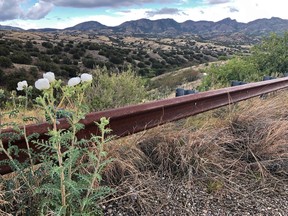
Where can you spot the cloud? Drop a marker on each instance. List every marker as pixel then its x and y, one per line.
pixel 170 11
pixel 10 9
pixel 233 9
pixel 125 11
pixel 213 2
pixel 39 10
pixel 103 3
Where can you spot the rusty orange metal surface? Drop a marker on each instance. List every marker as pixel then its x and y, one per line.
pixel 132 119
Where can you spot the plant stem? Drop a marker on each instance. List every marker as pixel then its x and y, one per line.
pixel 25 134
pixel 97 166
pixel 60 163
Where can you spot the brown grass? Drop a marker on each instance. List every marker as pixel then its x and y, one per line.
pixel 239 148
pixel 37 113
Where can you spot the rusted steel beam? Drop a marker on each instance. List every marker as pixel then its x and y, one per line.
pixel 132 119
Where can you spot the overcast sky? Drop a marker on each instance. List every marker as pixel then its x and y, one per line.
pixel 65 13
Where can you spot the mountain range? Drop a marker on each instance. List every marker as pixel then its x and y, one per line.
pixel 205 29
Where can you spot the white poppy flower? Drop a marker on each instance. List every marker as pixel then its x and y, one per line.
pixel 85 77
pixel 42 84
pixel 74 81
pixel 21 85
pixel 50 76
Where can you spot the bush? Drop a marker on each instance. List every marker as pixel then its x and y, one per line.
pixel 271 54
pixel 5 62
pixel 115 90
pixel 89 63
pixel 66 61
pixel 116 59
pixel 21 58
pixel 46 66
pixel 234 69
pixel 4 51
pixel 47 45
pixel 14 77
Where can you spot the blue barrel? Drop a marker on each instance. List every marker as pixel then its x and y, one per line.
pixel 187 92
pixel 243 83
pixel 235 83
pixel 268 78
pixel 180 92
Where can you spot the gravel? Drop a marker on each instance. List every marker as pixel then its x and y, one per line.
pixel 161 196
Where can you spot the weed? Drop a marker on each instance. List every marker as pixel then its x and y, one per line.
pixel 67 180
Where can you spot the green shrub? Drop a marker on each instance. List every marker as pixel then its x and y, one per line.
pixel 89 63
pixel 271 54
pixel 14 77
pixel 4 51
pixel 115 90
pixel 21 58
pixel 47 45
pixel 5 62
pixel 221 75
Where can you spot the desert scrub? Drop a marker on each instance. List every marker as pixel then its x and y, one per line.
pixel 115 90
pixel 67 180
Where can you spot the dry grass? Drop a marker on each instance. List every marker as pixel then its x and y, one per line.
pixel 2 201
pixel 36 113
pixel 241 148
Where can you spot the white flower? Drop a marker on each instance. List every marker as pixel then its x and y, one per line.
pixel 85 77
pixel 42 84
pixel 74 81
pixel 21 85
pixel 50 76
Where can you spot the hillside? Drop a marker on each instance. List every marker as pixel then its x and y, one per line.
pixel 25 55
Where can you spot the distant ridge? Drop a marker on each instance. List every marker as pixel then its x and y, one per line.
pixel 87 26
pixel 4 27
pixel 205 29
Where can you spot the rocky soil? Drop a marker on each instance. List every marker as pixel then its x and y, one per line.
pixel 163 196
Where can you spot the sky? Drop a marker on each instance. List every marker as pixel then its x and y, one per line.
pixel 61 14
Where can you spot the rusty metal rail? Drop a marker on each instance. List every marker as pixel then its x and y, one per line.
pixel 132 119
